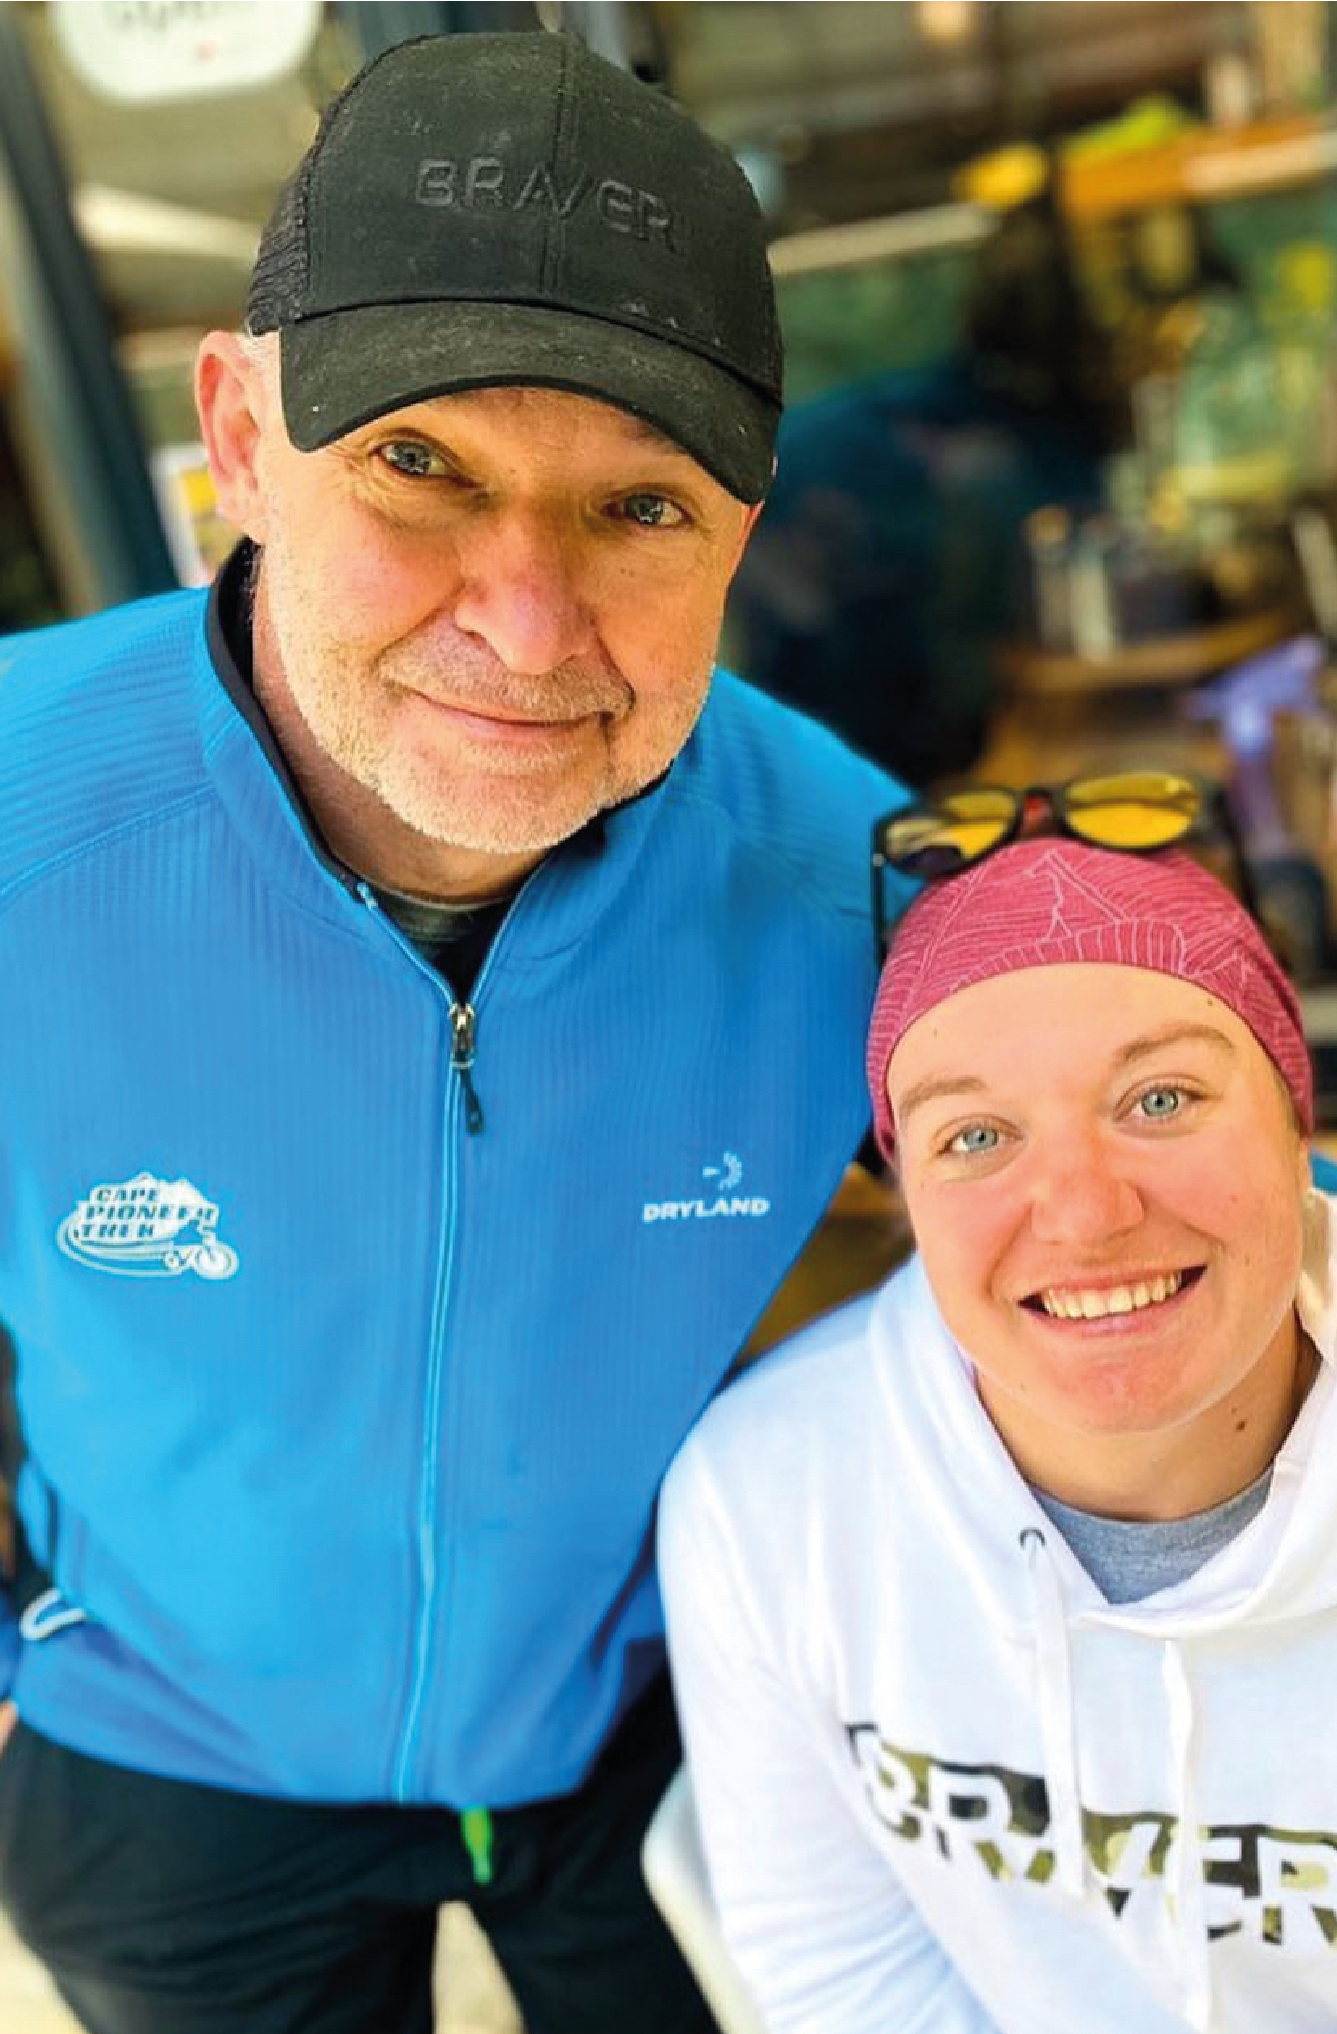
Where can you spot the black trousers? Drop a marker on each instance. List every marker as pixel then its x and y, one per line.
pixel 161 1907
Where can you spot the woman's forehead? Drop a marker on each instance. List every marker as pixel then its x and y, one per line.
pixel 1093 1014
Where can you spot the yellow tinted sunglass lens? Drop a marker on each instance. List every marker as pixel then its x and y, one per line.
pixel 958 828
pixel 977 817
pixel 1146 809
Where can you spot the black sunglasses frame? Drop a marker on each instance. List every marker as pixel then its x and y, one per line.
pixel 1049 803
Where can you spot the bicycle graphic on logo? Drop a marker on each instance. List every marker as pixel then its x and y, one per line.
pixel 148 1228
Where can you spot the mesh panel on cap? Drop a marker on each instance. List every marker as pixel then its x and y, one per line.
pixel 279 276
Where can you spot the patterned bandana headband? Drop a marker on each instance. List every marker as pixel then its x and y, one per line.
pixel 1049 902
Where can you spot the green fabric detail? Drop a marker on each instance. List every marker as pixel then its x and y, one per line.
pixel 476 1832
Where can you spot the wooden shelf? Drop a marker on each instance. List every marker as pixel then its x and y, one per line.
pixel 1162 661
pixel 1204 164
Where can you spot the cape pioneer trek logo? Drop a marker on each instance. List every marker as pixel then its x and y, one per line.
pixel 148 1228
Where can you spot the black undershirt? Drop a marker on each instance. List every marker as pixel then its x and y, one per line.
pixel 452 938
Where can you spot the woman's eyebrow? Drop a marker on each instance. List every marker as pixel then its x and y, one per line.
pixel 934 1088
pixel 1173 1034
pixel 938 1087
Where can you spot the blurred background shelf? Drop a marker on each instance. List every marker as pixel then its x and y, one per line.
pixel 1201 166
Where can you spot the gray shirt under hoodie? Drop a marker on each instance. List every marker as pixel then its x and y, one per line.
pixel 1128 1559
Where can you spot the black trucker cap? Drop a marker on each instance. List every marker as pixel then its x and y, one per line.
pixel 484 210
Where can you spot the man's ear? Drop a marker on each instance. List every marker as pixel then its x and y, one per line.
pixel 231 397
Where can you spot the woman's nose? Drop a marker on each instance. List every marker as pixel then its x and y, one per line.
pixel 1081 1193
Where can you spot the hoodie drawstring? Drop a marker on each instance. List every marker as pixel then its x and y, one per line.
pixel 1190 1890
pixel 1058 1733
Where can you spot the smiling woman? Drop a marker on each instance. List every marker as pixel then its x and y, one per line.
pixel 1069 1050
pixel 979 1590
pixel 1124 1291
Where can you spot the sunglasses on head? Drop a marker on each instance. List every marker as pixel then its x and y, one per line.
pixel 1133 811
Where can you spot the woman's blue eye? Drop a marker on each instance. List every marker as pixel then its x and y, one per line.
pixel 976 1137
pixel 1161 1102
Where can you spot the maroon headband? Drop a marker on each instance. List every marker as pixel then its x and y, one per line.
pixel 1049 902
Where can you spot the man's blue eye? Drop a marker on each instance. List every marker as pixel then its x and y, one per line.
pixel 651 511
pixel 1162 1102
pixel 418 461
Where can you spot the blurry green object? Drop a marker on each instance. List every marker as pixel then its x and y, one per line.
pixel 844 325
pixel 1230 447
pixel 1148 123
pixel 1256 402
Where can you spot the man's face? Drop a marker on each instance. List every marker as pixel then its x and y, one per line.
pixel 1104 1177
pixel 482 620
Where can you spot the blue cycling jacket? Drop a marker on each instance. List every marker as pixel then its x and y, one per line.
pixel 345 1415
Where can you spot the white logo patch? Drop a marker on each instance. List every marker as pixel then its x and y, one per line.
pixel 148 1228
pixel 724 1178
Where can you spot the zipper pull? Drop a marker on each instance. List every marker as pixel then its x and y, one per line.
pixel 476 1835
pixel 462 1022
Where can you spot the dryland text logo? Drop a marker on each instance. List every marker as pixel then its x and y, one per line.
pixel 720 1197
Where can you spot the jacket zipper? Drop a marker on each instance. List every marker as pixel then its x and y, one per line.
pixel 463 1026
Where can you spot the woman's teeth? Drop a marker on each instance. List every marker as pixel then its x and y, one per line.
pixel 1081 1305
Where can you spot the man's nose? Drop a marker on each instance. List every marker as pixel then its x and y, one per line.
pixel 525 594
pixel 1082 1191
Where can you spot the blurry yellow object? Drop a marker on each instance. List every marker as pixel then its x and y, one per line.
pixel 1006 177
pixel 1013 175
pixel 1148 123
pixel 1248 479
pixel 946 21
pixel 1305 273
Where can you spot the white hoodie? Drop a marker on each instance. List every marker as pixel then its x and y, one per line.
pixel 944 1786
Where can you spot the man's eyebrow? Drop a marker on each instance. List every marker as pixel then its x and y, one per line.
pixel 650 434
pixel 641 429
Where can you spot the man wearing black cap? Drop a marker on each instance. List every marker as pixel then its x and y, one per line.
pixel 441 1028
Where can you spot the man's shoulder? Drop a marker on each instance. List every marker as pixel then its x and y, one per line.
pixel 745 733
pixel 788 788
pixel 93 726
pixel 67 649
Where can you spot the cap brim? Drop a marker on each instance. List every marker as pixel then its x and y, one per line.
pixel 345 368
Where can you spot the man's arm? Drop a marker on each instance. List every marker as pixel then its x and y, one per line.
pixel 9 1631
pixel 825 1938
pixel 859 1241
